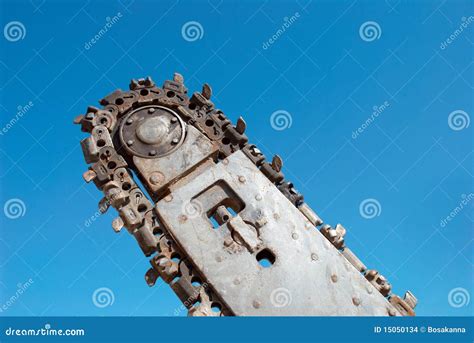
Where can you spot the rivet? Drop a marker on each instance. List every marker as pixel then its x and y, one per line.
pixel 334 278
pixel 151 110
pixel 258 197
pixel 391 312
pixel 314 257
pixel 168 198
pixel 152 153
pixel 256 304
pixel 225 161
pixel 294 235
pixel 174 120
pixel 156 178
pixel 129 121
pixel 356 301
pixel 175 141
pixel 242 179
pixel 129 142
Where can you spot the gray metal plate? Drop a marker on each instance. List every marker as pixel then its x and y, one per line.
pixel 309 276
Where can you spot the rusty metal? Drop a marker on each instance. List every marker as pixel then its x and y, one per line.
pixel 223 227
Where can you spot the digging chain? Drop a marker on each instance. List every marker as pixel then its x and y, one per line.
pixel 111 169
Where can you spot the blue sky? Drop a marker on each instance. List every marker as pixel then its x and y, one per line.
pixel 412 157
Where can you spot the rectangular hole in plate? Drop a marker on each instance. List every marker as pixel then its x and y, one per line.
pixel 221 215
pixel 221 203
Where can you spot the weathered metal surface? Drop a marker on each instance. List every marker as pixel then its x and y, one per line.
pixel 312 275
pixel 159 172
pixel 220 211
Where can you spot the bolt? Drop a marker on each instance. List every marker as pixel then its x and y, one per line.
pixel 129 121
pixel 242 179
pixel 152 153
pixel 151 110
pixel 129 142
pixel 175 141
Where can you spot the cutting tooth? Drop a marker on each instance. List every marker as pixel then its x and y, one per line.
pixel 277 163
pixel 177 77
pixel 92 109
pixel 341 230
pixel 133 84
pixel 151 276
pixel 117 224
pixel 241 125
pixel 206 91
pixel 148 82
pixel 410 299
pixel 89 175
pixel 78 119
